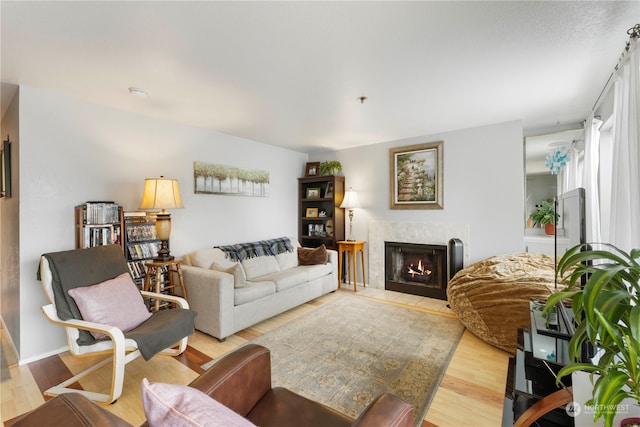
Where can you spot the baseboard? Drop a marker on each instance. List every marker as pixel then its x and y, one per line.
pixel 43 355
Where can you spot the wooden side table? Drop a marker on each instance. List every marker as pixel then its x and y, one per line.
pixel 154 277
pixel 351 247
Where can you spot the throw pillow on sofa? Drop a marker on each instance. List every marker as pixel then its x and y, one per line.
pixel 260 266
pixel 287 260
pixel 313 256
pixel 181 405
pixel 236 270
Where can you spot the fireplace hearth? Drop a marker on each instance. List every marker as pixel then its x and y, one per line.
pixel 421 269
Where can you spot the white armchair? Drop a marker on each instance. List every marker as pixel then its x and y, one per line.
pixel 120 346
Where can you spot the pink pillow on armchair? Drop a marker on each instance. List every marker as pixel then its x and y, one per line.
pixel 115 302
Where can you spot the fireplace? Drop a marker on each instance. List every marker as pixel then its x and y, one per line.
pixel 421 269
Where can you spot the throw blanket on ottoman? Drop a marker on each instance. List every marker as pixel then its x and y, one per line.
pixel 491 297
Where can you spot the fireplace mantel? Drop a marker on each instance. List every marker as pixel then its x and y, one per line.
pixel 409 232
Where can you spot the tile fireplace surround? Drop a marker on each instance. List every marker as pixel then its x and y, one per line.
pixel 409 232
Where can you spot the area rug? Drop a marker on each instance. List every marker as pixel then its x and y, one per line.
pixel 348 351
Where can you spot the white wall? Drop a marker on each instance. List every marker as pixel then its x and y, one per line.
pixel 73 151
pixel 483 186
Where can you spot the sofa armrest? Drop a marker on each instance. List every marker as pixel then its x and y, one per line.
pixel 211 294
pixel 386 410
pixel 333 256
pixel 333 260
pixel 239 379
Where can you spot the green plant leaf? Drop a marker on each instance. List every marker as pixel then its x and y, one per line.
pixel 611 334
pixel 607 312
pixel 607 389
pixel 634 322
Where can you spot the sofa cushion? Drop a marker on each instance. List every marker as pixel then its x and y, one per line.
pixel 204 258
pixel 313 256
pixel 116 302
pixel 239 278
pixel 259 266
pixel 287 279
pixel 252 291
pixel 316 271
pixel 287 260
pixel 180 405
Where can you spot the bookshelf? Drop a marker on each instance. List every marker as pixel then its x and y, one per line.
pixel 141 243
pixel 321 220
pixel 98 223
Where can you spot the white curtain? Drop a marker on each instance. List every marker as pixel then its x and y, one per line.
pixel 571 175
pixel 590 173
pixel 625 191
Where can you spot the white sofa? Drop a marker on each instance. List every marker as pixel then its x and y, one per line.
pixel 230 294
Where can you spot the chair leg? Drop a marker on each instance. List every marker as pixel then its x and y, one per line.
pixel 176 351
pixel 117 379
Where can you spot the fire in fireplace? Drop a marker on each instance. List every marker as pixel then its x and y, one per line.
pixel 419 273
pixel 421 269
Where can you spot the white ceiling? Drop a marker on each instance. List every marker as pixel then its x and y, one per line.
pixel 289 73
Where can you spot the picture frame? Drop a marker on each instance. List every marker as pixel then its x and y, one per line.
pixel 220 179
pixel 416 176
pixel 311 213
pixel 5 173
pixel 328 192
pixel 313 193
pixel 312 169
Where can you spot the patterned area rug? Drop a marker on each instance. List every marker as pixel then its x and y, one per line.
pixel 346 352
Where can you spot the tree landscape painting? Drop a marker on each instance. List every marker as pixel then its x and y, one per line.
pixel 416 176
pixel 210 178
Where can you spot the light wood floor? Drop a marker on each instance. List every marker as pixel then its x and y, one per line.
pixel 471 391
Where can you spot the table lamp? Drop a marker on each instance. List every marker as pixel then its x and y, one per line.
pixel 161 193
pixel 350 202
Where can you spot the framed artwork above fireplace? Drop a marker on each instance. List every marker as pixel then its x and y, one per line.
pixel 416 176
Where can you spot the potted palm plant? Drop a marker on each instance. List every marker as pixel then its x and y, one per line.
pixel 546 216
pixel 607 313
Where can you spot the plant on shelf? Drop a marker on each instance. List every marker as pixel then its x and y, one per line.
pixel 546 216
pixel 330 167
pixel 607 313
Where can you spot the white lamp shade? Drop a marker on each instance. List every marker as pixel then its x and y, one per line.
pixel 161 193
pixel 350 200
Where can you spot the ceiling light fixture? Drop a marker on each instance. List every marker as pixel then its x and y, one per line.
pixel 141 93
pixel 362 99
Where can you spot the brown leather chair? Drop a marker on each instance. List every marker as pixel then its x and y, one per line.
pixel 241 381
pixel 69 410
